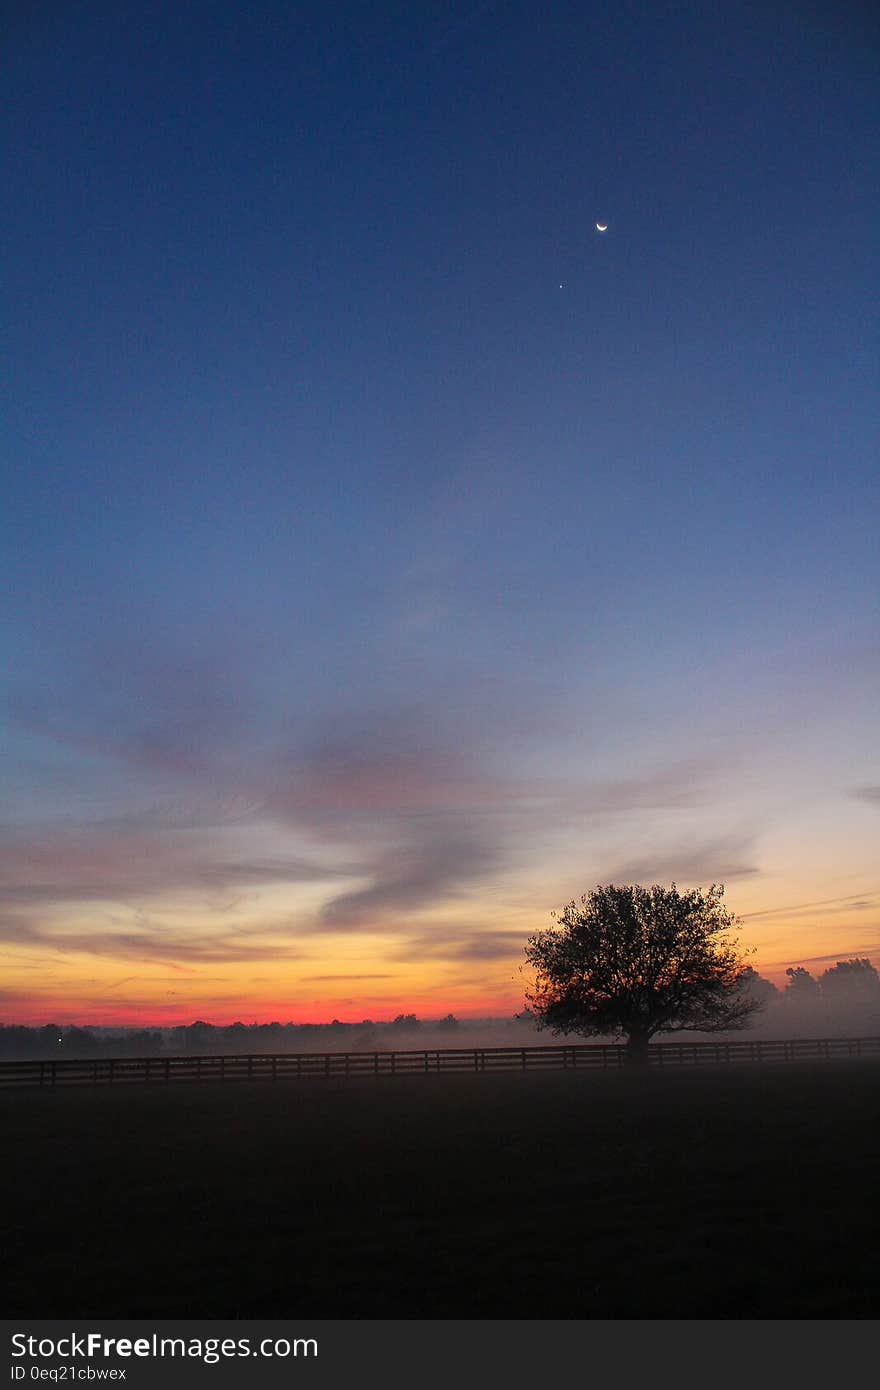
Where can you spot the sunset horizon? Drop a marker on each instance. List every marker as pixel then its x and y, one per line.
pixel 406 533
pixel 439 655
pixel 383 1002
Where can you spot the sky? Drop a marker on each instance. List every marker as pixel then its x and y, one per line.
pixel 389 556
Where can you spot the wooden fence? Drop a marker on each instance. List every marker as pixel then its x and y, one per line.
pixel 290 1065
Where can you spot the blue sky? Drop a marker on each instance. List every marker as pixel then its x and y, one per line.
pixel 388 553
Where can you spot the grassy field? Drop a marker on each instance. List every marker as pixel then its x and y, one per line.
pixel 741 1193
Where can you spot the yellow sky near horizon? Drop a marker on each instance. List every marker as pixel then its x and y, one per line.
pixel 447 962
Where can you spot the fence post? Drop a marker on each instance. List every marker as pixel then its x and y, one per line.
pixel 112 1066
pixel 274 1067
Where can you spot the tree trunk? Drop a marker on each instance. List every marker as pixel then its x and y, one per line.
pixel 637 1049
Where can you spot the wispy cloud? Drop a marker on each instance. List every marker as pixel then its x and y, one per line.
pixel 163 945
pixel 713 861
pixel 866 951
pixel 326 979
pixel 380 800
pixel 870 794
pixel 684 784
pixel 390 763
pixel 439 862
pixel 102 862
pixel 143 702
pixel 454 945
pixel 858 902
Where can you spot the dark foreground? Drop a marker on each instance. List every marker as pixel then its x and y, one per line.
pixel 725 1194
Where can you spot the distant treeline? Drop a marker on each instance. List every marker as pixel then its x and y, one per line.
pixel 849 982
pixel 57 1040
pixel 843 1000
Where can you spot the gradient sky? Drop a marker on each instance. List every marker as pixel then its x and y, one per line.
pixel 389 556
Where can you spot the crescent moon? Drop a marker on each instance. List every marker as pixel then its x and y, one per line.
pixel 601 226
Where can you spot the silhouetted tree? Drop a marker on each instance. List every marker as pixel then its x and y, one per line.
pixel 235 1037
pixel 633 962
pixel 525 1018
pixel 856 978
pixel 754 985
pixel 198 1036
pixel 145 1042
pixel 801 987
pixel 78 1042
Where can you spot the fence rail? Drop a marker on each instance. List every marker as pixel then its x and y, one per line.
pixel 115 1071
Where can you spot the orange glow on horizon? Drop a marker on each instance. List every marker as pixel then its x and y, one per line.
pixel 56 1010
pixel 74 975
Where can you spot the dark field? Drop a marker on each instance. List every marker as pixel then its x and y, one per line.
pixel 741 1193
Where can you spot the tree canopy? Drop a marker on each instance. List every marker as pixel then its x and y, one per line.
pixel 851 977
pixel 630 961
